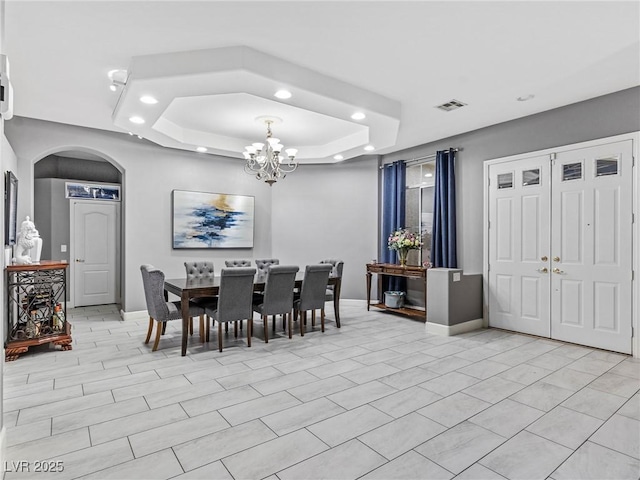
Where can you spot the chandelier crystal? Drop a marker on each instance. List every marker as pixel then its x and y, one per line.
pixel 264 160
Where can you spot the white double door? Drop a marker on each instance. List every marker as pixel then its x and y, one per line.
pixel 560 246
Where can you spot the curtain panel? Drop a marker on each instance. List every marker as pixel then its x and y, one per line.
pixel 393 214
pixel 444 240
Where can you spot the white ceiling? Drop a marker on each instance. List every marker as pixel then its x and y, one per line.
pixel 413 55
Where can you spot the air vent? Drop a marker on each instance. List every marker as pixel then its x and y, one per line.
pixel 451 105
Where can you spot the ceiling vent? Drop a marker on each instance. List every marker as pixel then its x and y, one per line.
pixel 451 105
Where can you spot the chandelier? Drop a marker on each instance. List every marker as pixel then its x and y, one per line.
pixel 264 159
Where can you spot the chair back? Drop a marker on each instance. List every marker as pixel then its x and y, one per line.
pixel 237 263
pixel 153 284
pixel 278 290
pixel 197 270
pixel 314 286
pixel 235 298
pixel 263 264
pixel 336 266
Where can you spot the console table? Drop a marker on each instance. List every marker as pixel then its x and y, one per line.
pixel 36 298
pixel 390 269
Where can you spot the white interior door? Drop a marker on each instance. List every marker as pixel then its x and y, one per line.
pixel 519 222
pixel 592 235
pixel 561 243
pixel 95 252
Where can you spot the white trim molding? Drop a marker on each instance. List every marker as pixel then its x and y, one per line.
pixel 450 330
pixel 136 315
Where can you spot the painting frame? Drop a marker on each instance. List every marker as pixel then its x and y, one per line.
pixel 10 208
pixel 208 220
pixel 109 192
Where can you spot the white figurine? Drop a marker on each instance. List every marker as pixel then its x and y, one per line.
pixel 28 240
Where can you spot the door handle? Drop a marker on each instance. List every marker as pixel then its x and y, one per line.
pixel 557 270
pixel 556 259
pixel 79 260
pixel 543 270
pixel 544 258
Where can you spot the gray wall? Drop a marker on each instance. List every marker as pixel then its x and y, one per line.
pixel 150 173
pixel 51 216
pixel 55 166
pixel 599 117
pixel 329 211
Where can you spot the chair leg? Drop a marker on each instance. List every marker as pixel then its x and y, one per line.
pixel 190 326
pixel 158 333
pixel 149 330
pixel 313 318
pixel 322 318
pixel 249 328
pixel 290 325
pixel 235 329
pixel 273 323
pixel 220 335
pixel 302 317
pixel 266 328
pixel 201 329
pixel 164 327
pixel 208 328
pixel 226 327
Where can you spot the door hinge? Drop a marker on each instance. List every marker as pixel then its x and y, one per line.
pixel 489 224
pixel 552 157
pixel 488 182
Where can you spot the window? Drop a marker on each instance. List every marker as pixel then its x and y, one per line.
pixel 505 180
pixel 531 177
pixel 606 166
pixel 571 171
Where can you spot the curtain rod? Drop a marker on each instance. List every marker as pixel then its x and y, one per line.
pixel 418 159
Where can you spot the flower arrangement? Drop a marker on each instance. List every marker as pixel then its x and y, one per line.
pixel 402 240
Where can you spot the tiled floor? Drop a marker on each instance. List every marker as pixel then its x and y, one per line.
pixel 378 398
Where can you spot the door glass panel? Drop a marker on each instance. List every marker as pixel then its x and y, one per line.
pixel 505 180
pixel 571 171
pixel 531 177
pixel 606 166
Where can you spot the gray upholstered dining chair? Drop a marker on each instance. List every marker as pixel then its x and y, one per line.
pixel 159 309
pixel 278 296
pixel 336 271
pixel 197 270
pixel 235 301
pixel 263 264
pixel 237 263
pixel 312 294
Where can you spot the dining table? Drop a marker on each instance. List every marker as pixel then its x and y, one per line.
pixel 187 289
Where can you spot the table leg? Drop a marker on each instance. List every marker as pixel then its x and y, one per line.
pixel 336 301
pixel 368 289
pixel 184 299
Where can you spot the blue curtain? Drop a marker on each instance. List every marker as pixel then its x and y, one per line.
pixel 443 240
pixel 393 215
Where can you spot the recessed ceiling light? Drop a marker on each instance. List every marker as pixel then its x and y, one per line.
pixel 369 148
pixel 282 94
pixel 201 149
pixel 338 157
pixel 113 87
pixel 136 120
pixel 358 116
pixel 148 99
pixel 524 98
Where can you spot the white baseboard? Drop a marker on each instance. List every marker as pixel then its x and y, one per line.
pixel 449 330
pixel 137 315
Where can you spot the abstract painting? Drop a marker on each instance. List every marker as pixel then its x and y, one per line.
pixel 212 220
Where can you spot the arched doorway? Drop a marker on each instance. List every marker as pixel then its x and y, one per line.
pixel 86 232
